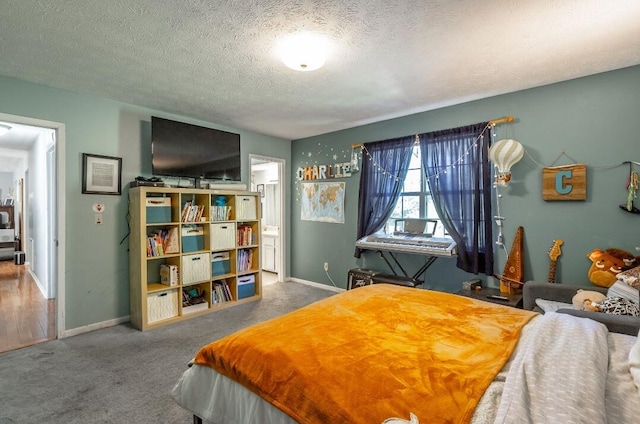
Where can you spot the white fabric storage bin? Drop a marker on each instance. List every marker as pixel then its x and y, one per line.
pixel 220 263
pixel 196 268
pixel 223 236
pixel 192 238
pixel 246 208
pixel 246 286
pixel 162 305
pixel 158 209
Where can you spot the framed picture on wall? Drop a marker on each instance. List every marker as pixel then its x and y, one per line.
pixel 260 188
pixel 101 174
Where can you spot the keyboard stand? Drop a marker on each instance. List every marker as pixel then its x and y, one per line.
pixel 405 279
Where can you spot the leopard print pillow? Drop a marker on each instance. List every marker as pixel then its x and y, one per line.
pixel 619 306
pixel 631 277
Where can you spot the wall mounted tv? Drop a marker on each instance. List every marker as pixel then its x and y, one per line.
pixel 184 150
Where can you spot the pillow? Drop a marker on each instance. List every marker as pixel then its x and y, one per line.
pixel 630 277
pixel 552 305
pixel 634 363
pixel 620 289
pixel 619 306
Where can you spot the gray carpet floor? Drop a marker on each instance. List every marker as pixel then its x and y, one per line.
pixel 122 375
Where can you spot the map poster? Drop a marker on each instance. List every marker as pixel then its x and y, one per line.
pixel 322 201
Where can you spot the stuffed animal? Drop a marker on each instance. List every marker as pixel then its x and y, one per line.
pixel 607 264
pixel 586 300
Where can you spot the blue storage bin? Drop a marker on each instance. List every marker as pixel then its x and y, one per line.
pixel 192 239
pixel 220 263
pixel 158 209
pixel 246 286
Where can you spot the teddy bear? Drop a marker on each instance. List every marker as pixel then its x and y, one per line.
pixel 607 264
pixel 587 300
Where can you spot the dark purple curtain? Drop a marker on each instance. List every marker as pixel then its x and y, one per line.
pixel 384 168
pixel 459 176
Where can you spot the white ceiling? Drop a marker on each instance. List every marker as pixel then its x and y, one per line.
pixel 216 60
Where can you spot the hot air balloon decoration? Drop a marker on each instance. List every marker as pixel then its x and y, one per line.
pixel 504 154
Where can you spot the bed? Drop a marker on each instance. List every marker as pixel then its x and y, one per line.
pixel 391 354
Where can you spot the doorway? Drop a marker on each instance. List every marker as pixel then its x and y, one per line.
pixel 267 177
pixel 35 275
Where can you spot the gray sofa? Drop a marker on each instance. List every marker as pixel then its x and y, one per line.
pixel 533 290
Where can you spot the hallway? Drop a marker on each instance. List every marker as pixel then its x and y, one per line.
pixel 26 317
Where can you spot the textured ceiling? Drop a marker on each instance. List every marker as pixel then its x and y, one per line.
pixel 216 60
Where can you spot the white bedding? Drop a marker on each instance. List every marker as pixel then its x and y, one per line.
pixel 562 349
pixel 219 400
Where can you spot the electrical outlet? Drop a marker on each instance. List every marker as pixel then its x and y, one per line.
pixel 326 266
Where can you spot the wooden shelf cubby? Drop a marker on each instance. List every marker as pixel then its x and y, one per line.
pixel 192 243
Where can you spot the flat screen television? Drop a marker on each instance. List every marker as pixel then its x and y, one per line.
pixel 179 149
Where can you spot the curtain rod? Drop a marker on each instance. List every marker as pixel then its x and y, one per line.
pixel 504 120
pixel 491 123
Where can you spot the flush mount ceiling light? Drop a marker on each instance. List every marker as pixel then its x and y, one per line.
pixel 4 129
pixel 303 51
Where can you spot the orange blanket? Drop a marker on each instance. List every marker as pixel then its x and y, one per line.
pixel 372 353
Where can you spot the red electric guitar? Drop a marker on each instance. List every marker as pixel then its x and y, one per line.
pixel 554 254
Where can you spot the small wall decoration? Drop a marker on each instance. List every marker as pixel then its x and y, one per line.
pixel 504 154
pixel 632 192
pixel 567 182
pixel 101 174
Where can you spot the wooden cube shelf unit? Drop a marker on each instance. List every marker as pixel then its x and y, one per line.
pixel 212 239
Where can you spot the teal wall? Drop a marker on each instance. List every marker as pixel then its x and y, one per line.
pixel 97 268
pixel 595 120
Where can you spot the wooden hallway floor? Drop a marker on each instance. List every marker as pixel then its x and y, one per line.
pixel 26 317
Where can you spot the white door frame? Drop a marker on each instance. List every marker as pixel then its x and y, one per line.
pixel 52 238
pixel 281 222
pixel 59 128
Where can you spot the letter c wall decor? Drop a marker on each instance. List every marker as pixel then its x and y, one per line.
pixel 567 182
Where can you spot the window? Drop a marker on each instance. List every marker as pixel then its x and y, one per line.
pixel 467 217
pixel 415 200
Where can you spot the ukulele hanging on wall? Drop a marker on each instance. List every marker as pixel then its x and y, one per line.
pixel 554 254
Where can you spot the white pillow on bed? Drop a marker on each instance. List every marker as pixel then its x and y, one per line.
pixel 552 305
pixel 634 363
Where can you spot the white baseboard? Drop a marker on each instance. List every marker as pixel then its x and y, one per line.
pixel 122 320
pixel 37 281
pixel 318 285
pixel 95 326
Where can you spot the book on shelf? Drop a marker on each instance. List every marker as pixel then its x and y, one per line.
pixel 221 292
pixel 162 242
pixel 154 245
pixel 199 213
pixel 169 275
pixel 191 212
pixel 245 235
pixel 245 259
pixel 185 211
pixel 171 242
pixel 220 213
